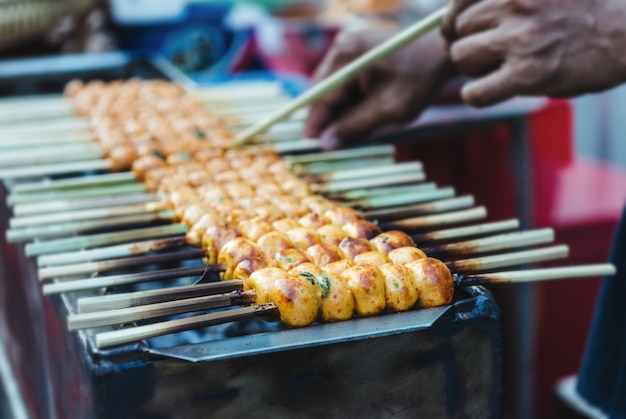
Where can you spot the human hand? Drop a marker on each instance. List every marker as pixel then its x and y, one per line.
pixel 392 91
pixel 558 48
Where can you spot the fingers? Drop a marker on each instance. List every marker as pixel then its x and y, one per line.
pixel 393 104
pixel 495 87
pixel 323 111
pixel 448 26
pixel 348 46
pixel 480 17
pixel 477 55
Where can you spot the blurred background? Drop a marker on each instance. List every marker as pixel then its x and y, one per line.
pixel 577 148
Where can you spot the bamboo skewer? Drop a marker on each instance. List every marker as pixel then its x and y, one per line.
pixel 64 195
pixel 357 195
pixel 138 333
pixel 349 184
pixel 104 239
pixel 119 337
pixel 487 263
pixel 131 314
pixel 453 217
pixel 59 153
pixel 112 252
pixel 123 263
pixel 137 278
pixel 85 203
pixel 492 243
pixel 89 214
pixel 106 179
pixel 339 77
pixel 55 169
pixel 159 295
pixel 64 229
pixel 473 230
pixel 535 275
pixel 416 196
pixel 432 207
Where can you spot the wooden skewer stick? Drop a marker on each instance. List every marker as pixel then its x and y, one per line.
pixel 473 230
pixel 366 172
pixel 339 77
pixel 44 141
pixel 453 217
pixel 132 314
pixel 324 167
pixel 432 207
pixel 65 229
pixel 492 243
pixel 349 184
pixel 534 275
pixel 159 295
pixel 141 277
pixel 104 239
pixel 84 203
pixel 89 214
pixel 64 195
pixel 350 154
pixel 359 194
pixel 415 196
pixel 111 264
pixel 57 154
pixel 55 169
pixel 112 252
pixel 106 179
pixel 487 263
pixel 134 334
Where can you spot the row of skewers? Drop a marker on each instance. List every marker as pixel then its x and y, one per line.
pixel 275 241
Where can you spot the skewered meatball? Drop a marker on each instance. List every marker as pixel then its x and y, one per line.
pixel 197 231
pixel 350 247
pixel 297 299
pixel 405 255
pixel 311 220
pixel 368 288
pixel 434 282
pixel 285 224
pixel 247 267
pixel 373 257
pixel 362 229
pixel 146 163
pixel 261 282
pixel 234 251
pixel 401 291
pixel 331 234
pixel 341 216
pixel 303 238
pixel 215 237
pixel 323 254
pixel 290 258
pixel 122 157
pixel 390 240
pixel 254 228
pixel 339 267
pixel 193 214
pixel 338 303
pixel 273 243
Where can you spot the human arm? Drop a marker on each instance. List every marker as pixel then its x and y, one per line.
pixel 558 48
pixel 394 90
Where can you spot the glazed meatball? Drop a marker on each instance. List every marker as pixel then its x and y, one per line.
pixel 401 291
pixel 390 240
pixel 368 288
pixel 434 282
